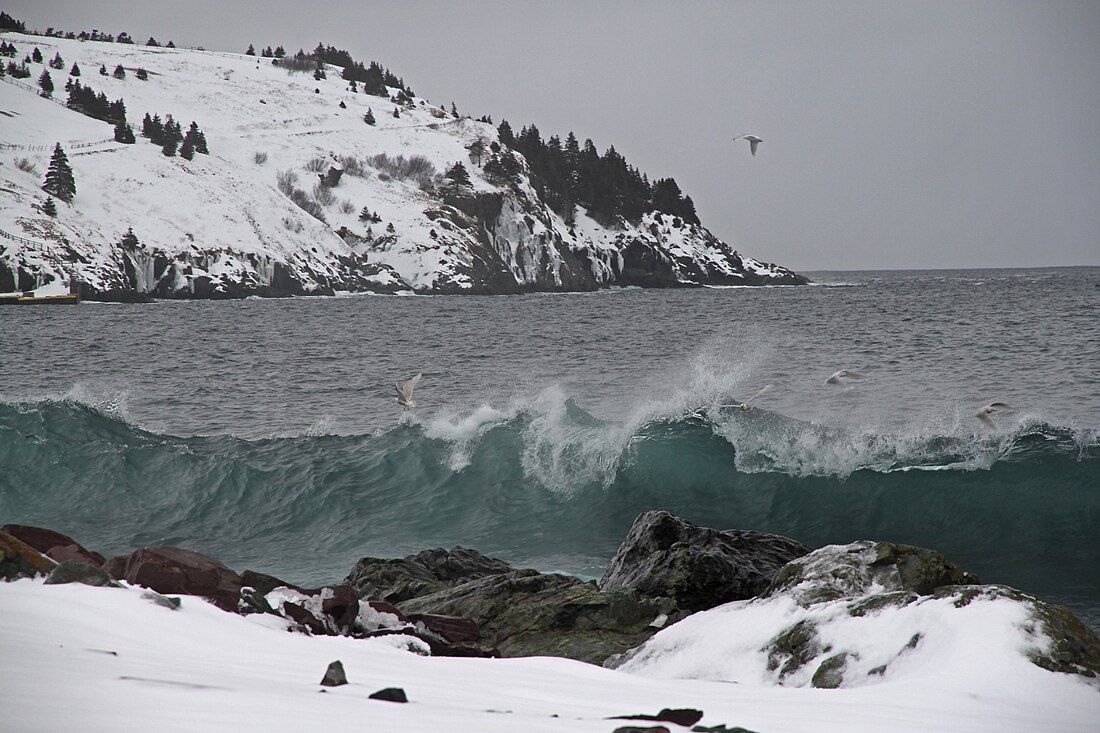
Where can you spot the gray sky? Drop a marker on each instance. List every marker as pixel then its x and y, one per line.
pixel 897 135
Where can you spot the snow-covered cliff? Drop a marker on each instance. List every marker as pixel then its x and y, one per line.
pixel 225 225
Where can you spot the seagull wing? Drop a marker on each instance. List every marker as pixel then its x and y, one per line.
pixel 763 391
pixel 407 390
pixel 753 144
pixel 984 417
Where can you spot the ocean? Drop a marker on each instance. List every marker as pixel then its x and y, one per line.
pixel 264 432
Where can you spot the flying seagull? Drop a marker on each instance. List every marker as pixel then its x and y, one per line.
pixel 984 413
pixel 405 393
pixel 754 141
pixel 745 406
pixel 842 377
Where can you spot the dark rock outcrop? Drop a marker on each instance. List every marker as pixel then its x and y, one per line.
pixel 426 572
pixel 75 571
pixel 53 544
pixel 526 613
pixel 845 571
pixel 176 570
pixel 20 560
pixel 697 567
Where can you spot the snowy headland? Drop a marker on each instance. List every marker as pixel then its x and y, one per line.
pixel 299 193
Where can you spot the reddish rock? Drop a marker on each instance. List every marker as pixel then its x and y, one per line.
pixel 302 615
pixel 175 570
pixel 46 541
pixel 342 607
pixel 61 553
pixel 451 629
pixel 264 583
pixel 386 607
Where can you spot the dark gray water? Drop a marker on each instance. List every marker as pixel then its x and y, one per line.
pixel 934 346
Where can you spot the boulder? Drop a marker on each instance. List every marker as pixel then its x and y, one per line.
pixel 525 613
pixel 176 570
pixel 427 572
pixel 859 568
pixel 20 560
pixel 390 694
pixel 53 544
pixel 76 571
pixel 697 567
pixel 334 675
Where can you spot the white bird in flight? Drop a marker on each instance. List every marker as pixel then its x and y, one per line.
pixel 405 392
pixel 984 413
pixel 745 406
pixel 842 377
pixel 754 141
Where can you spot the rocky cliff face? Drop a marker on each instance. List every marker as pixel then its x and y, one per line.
pixel 299 195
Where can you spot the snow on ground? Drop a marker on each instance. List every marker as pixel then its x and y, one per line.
pixel 105 659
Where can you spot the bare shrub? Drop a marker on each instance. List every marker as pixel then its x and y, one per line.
pixel 295 65
pixel 25 165
pixel 302 200
pixel 292 225
pixel 383 176
pixel 286 181
pixel 416 168
pixel 353 166
pixel 323 195
pixel 317 165
pixel 259 157
pixel 347 207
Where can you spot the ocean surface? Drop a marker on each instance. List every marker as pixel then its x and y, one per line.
pixel 264 432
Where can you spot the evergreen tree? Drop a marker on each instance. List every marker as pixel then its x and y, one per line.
pixel 266 53
pixel 477 149
pixel 120 73
pixel 458 176
pixel 124 37
pixel 57 62
pixel 251 51
pixel 197 138
pixel 319 72
pixel 504 131
pixel 279 52
pixel 124 133
pixel 49 208
pixel 59 176
pixel 170 146
pixel 396 113
pixel 142 74
pixel 103 70
pixel 187 149
pixel 170 44
pixel 369 117
pixel 129 240
pixel 152 42
pixel 454 111
pixel 75 71
pixel 45 83
pixel 36 55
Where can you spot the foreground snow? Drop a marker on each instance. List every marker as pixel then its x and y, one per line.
pixel 104 659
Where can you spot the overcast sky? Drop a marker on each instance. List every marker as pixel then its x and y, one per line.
pixel 896 134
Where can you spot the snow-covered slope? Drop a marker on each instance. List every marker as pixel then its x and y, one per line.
pixel 109 659
pixel 219 225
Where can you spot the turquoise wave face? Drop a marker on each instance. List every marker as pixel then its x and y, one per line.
pixel 551 487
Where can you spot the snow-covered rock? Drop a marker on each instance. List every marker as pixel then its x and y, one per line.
pixel 220 225
pixel 872 613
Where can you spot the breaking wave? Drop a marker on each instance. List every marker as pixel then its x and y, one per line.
pixel 544 483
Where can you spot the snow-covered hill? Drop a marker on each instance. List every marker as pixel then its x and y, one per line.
pixel 220 225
